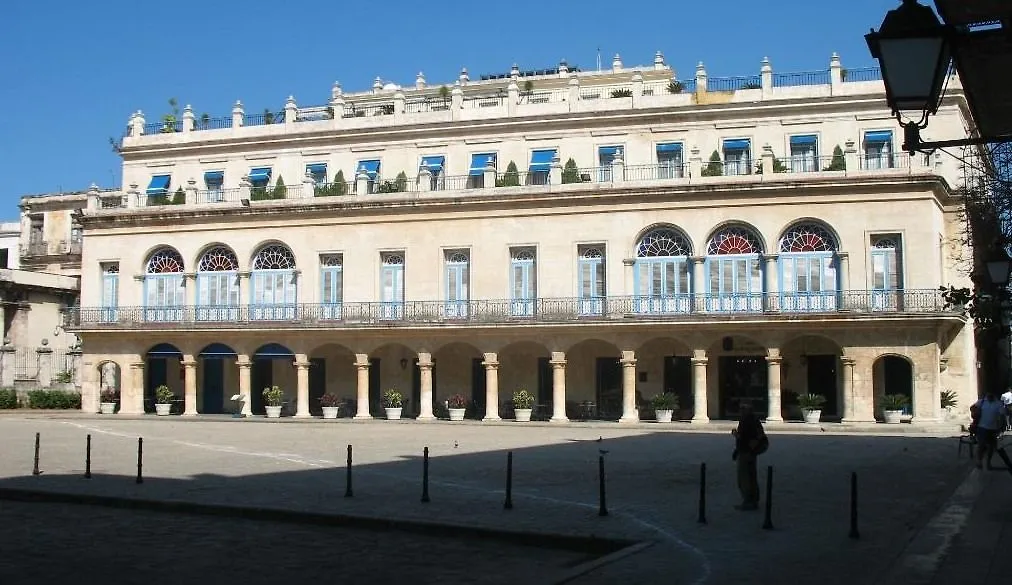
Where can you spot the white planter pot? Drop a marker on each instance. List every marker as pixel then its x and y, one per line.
pixel 393 413
pixel 107 408
pixel 163 409
pixel 892 417
pixel 457 413
pixel 949 413
pixel 663 416
pixel 522 414
pixel 273 411
pixel 812 415
pixel 330 412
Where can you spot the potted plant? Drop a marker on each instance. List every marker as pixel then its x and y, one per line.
pixel 392 401
pixel 664 406
pixel 522 403
pixel 457 405
pixel 811 407
pixel 331 404
pixel 274 397
pixel 892 407
pixel 949 402
pixel 107 401
pixel 163 400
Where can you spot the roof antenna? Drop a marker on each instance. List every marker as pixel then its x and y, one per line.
pixel 599 58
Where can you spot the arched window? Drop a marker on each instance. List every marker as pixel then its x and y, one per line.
pixel 331 285
pixel 110 291
pixel 458 280
pixel 591 280
pixel 164 289
pixel 734 270
pixel 662 272
pixel 218 285
pixel 807 267
pixel 886 272
pixel 523 281
pixel 273 285
pixel 392 285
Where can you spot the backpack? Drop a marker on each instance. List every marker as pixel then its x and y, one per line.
pixel 763 442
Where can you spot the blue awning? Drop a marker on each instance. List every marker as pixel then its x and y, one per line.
pixel 607 150
pixel 159 184
pixel 214 176
pixel 880 136
pixel 736 144
pixel 261 174
pixel 371 167
pixel 541 160
pixel 478 162
pixel 669 147
pixel 433 163
pixel 804 139
pixel 317 169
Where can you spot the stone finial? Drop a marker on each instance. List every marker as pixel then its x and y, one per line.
pixel 637 77
pixel 563 67
pixel 336 91
pixel 290 101
pixel 7 340
pixel 834 58
pixel 93 189
pixel 513 85
pixel 45 342
pixel 515 71
pixel 237 108
pixel 766 65
pixel 187 109
pixel 456 89
pixel 574 79
pixel 700 68
pixel 191 182
pixel 377 85
pixel 134 188
pixel 767 149
pixel 659 60
pixel 420 80
pixel 464 78
pixel 616 63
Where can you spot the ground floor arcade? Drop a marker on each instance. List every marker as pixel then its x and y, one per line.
pixel 575 373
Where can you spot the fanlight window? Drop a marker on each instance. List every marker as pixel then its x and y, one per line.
pixel 218 259
pixel 591 253
pixel 523 254
pixel 808 237
pixel 393 260
pixel 274 257
pixel 331 260
pixel 663 242
pixel 733 240
pixel 165 261
pixel 457 258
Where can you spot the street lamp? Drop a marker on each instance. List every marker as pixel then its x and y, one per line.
pixel 1000 271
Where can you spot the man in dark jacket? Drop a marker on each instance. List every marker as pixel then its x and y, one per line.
pixel 750 441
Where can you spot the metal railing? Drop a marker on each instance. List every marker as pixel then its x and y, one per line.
pixel 862 74
pixel 505 311
pixel 801 78
pixel 733 83
pixel 264 118
pixel 26 363
pixel 484 101
pixel 353 110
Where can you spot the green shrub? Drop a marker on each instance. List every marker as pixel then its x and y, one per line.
pixel 280 191
pixel 179 197
pixel 53 400
pixel 511 178
pixel 714 168
pixel 8 398
pixel 570 172
pixel 665 401
pixel 838 162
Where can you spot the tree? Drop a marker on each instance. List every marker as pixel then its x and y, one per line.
pixel 169 120
pixel 570 172
pixel 714 168
pixel 280 191
pixel 340 185
pixel 511 178
pixel 838 162
pixel 401 182
pixel 675 87
pixel 159 199
pixel 179 197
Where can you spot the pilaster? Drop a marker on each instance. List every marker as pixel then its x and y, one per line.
pixel 491 364
pixel 558 363
pixel 629 411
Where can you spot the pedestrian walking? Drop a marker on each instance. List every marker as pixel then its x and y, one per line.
pixel 750 442
pixel 988 416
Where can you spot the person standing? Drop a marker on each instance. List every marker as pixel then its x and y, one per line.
pixel 1006 400
pixel 988 414
pixel 750 442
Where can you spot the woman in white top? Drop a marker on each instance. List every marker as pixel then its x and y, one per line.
pixel 988 414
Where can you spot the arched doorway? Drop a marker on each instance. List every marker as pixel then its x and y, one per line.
pixel 523 365
pixel 109 377
pixel 594 380
pixel 217 372
pixel 893 374
pixel 811 365
pixel 332 371
pixel 162 367
pixel 271 367
pixel 742 375
pixel 394 366
pixel 461 371
pixel 663 364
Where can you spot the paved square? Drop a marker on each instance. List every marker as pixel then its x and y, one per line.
pixel 652 483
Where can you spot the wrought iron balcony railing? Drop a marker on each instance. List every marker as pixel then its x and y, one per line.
pixel 499 311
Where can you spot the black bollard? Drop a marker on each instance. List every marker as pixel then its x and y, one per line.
pixel 425 476
pixel 853 506
pixel 35 468
pixel 1004 457
pixel 603 508
pixel 140 459
pixel 768 522
pixel 702 493
pixel 508 504
pixel 347 476
pixel 87 459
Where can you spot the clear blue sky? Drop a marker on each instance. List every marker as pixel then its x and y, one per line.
pixel 72 71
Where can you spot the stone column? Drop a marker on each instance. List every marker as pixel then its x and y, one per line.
pixel 835 75
pixel 131 399
pixel 44 355
pixel 695 162
pixel 771 289
pixel 301 386
pixel 456 102
pixel 237 114
pixel 137 124
pixel 637 89
pixel 629 278
pixel 398 104
pixel 843 280
pixel 188 119
pixel 337 101
pixel 512 97
pixel 698 285
pixel 189 386
pixel 77 374
pixel 491 364
pixel 308 186
pixel 7 368
pixel 850 403
pixel 699 402
pixel 850 157
pixel 291 111
pixel 361 182
pixel 558 363
pixel 243 295
pixel 191 191
pixel 773 380
pixel 245 381
pixel 629 411
pixel 489 174
pixel 424 180
pixel 767 162
pixel 618 168
pixel 425 379
pixel 574 92
pixel 555 171
pixel 362 367
pixel 700 78
pixel 766 79
pixel 89 387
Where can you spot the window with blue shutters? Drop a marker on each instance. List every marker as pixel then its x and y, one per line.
pixel 669 160
pixel 218 285
pixel 523 281
pixel 392 286
pixel 591 279
pixel 476 173
pixel 804 153
pixel 457 283
pixel 372 170
pixel 878 150
pixel 259 177
pixel 213 184
pixel 435 164
pixel 807 265
pixel 110 291
pixel 318 171
pixel 606 155
pixel 661 275
pixel 540 166
pixel 733 271
pixel 737 157
pixel 164 292
pixel 273 284
pixel 331 285
pixel 886 272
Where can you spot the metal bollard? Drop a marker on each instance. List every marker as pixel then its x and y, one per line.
pixel 87 459
pixel 425 476
pixel 702 493
pixel 603 507
pixel 853 506
pixel 508 504
pixel 140 459
pixel 35 467
pixel 347 476
pixel 768 522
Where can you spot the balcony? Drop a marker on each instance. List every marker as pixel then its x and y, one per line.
pixel 35 248
pixel 477 313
